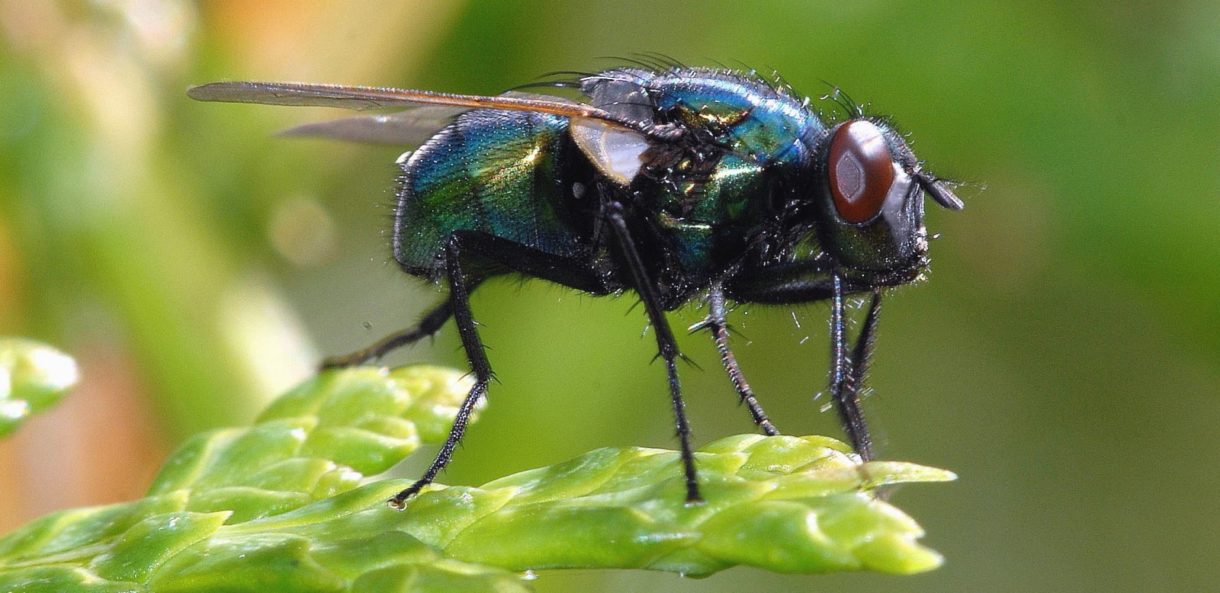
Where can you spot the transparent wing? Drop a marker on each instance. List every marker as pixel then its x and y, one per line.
pixel 614 141
pixel 411 127
pixel 405 128
pixel 362 98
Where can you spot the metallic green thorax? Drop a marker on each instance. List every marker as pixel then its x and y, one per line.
pixel 707 220
pixel 711 202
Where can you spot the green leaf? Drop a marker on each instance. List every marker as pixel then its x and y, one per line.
pixel 286 505
pixel 33 377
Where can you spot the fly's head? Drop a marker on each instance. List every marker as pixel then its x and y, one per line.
pixel 869 192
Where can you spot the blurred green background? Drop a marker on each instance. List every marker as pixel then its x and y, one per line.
pixel 1063 358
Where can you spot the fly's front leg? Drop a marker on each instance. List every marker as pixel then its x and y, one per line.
pixel 812 281
pixel 666 343
pixel 862 352
pixel 843 390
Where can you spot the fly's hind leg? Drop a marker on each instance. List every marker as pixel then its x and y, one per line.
pixel 459 305
pixel 427 326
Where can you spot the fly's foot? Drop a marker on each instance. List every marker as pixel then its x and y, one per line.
pixel 356 358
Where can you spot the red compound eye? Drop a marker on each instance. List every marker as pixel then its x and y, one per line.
pixel 861 170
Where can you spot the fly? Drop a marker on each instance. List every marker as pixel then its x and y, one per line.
pixel 675 183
